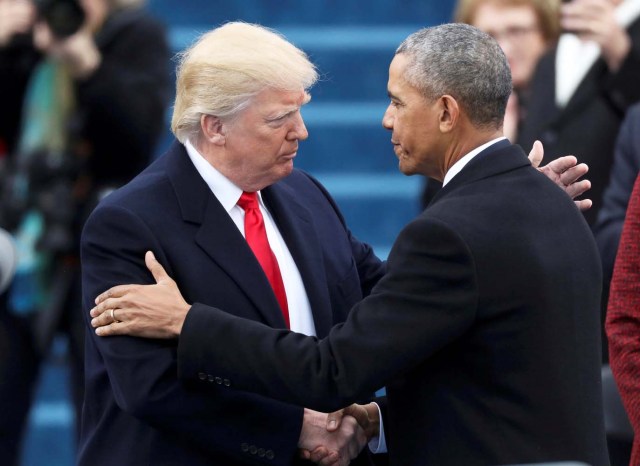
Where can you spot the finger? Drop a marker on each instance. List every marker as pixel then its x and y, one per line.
pixel 304 454
pixel 584 204
pixel 106 318
pixel 333 420
pixel 536 154
pixel 322 453
pixel 106 306
pixel 578 188
pixel 156 269
pixel 574 173
pixel 562 164
pixel 115 292
pixel 331 459
pixel 115 328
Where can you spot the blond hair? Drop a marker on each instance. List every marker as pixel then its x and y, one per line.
pixel 547 12
pixel 226 67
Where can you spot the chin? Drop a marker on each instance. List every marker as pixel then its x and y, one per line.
pixel 406 169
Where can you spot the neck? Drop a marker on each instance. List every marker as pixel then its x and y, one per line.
pixel 465 143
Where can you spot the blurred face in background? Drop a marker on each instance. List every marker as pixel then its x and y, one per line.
pixel 517 30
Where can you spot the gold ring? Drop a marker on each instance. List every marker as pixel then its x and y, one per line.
pixel 113 316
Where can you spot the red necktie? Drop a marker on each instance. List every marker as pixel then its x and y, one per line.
pixel 256 236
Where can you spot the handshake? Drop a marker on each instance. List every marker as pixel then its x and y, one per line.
pixel 337 438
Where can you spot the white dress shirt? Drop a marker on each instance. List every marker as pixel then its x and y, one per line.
pixel 228 194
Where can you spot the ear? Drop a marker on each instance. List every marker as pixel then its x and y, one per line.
pixel 212 129
pixel 449 113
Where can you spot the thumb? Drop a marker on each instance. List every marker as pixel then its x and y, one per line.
pixel 333 420
pixel 155 267
pixel 536 154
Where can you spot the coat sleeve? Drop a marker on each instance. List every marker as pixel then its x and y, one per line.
pixel 623 315
pixel 142 372
pixel 427 299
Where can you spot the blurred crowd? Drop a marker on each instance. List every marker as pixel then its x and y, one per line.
pixel 84 85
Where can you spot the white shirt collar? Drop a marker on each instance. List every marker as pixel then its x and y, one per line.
pixel 460 164
pixel 225 191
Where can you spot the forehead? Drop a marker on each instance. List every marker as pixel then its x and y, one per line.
pixel 398 86
pixel 271 99
pixel 491 16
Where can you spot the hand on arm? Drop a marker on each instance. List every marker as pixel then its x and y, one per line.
pixel 565 172
pixel 151 311
pixel 337 446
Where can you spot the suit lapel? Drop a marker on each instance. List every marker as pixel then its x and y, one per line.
pixel 296 225
pixel 219 237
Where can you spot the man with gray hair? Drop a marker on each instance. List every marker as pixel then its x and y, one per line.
pixel 485 328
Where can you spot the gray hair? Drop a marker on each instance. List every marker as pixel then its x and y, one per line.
pixel 464 62
pixel 222 72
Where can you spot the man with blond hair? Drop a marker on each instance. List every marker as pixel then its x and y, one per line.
pixel 238 124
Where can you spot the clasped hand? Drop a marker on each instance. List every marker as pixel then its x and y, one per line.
pixel 337 438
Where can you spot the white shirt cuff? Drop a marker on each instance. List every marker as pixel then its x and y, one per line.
pixel 378 444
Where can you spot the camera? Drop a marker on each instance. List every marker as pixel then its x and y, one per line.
pixel 64 17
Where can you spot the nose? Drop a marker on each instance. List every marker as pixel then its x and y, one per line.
pixel 388 117
pixel 299 130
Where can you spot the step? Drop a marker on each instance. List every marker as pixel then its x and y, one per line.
pixel 296 12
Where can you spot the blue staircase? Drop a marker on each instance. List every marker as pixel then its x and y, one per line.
pixel 351 42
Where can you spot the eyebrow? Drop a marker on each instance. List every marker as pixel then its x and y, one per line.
pixel 307 99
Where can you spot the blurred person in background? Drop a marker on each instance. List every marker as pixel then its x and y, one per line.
pixel 625 169
pixel 623 318
pixel 607 231
pixel 582 88
pixel 525 30
pixel 580 94
pixel 84 85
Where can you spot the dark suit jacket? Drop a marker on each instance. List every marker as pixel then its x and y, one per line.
pixel 587 126
pixel 485 330
pixel 136 411
pixel 623 318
